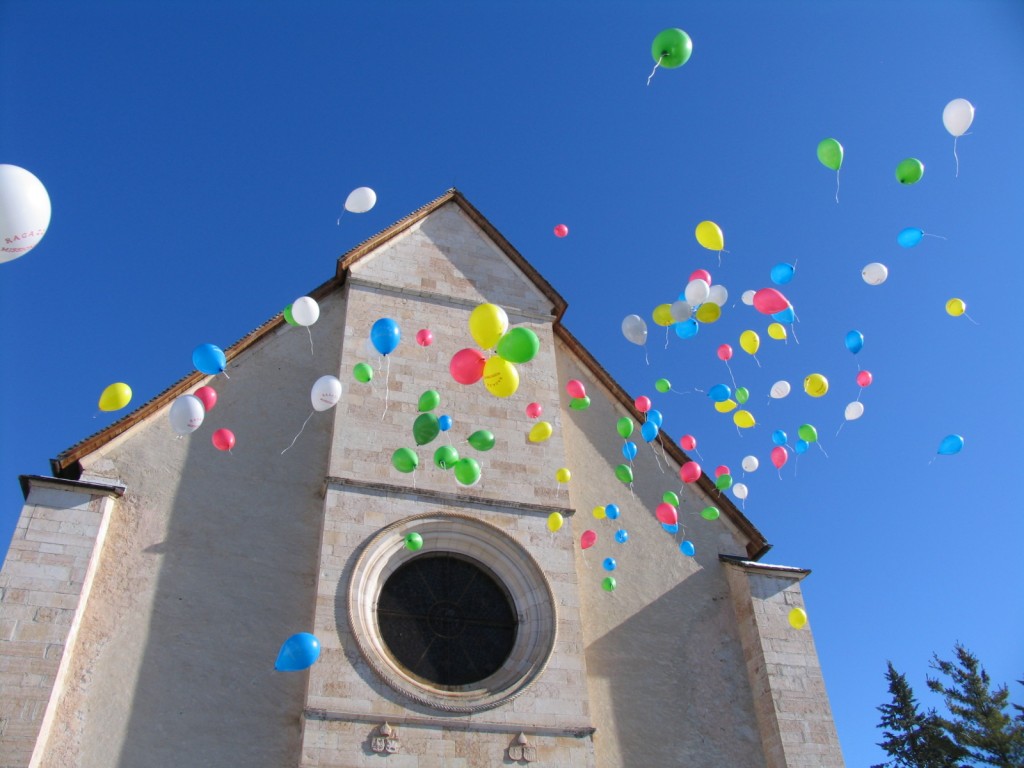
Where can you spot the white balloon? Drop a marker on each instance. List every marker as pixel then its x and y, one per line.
pixel 681 311
pixel 360 200
pixel 718 295
pixel 854 410
pixel 305 311
pixel 635 329
pixel 780 389
pixel 697 291
pixel 875 273
pixel 740 490
pixel 326 393
pixel 24 212
pixel 187 414
pixel 750 463
pixel 748 298
pixel 958 116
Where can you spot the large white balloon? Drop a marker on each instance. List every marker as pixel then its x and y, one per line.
pixel 326 393
pixel 748 298
pixel 360 200
pixel 875 273
pixel 24 212
pixel 750 463
pixel 187 414
pixel 740 490
pixel 305 311
pixel 958 116
pixel 697 292
pixel 635 329
pixel 718 294
pixel 780 389
pixel 854 410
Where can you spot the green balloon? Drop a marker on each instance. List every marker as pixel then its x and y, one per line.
pixel 663 385
pixel 580 403
pixel 742 394
pixel 624 473
pixel 608 584
pixel 425 428
pixel 670 497
pixel 482 440
pixel 445 457
pixel 288 315
pixel 909 171
pixel 710 513
pixel 363 372
pixel 625 426
pixel 405 460
pixel 467 471
pixel 830 154
pixel 519 345
pixel 429 400
pixel 672 48
pixel 723 481
pixel 808 432
pixel 413 542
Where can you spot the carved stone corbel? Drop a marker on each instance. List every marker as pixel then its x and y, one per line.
pixel 521 751
pixel 386 741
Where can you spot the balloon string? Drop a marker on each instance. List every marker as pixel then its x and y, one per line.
pixel 658 64
pixel 646 358
pixel 956 157
pixel 971 319
pixel 656 458
pixel 387 387
pixel 310 340
pixel 666 337
pixel 840 428
pixel 731 376
pixel 837 186
pixel 340 215
pixel 929 234
pixel 823 450
pixel 300 431
pixel 756 360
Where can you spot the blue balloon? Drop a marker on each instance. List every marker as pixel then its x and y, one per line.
pixel 655 417
pixel 720 393
pixel 209 359
pixel 621 535
pixel 787 315
pixel 951 444
pixel 385 335
pixel 609 564
pixel 782 273
pixel 298 653
pixel 629 450
pixel 649 430
pixel 909 237
pixel 444 422
pixel 779 437
pixel 672 528
pixel 687 548
pixel 801 446
pixel 687 329
pixel 855 341
pixel 611 511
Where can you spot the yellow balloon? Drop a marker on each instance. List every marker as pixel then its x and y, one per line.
pixel 777 331
pixel 798 618
pixel 815 385
pixel 563 475
pixel 743 419
pixel 708 312
pixel 115 397
pixel 555 521
pixel 955 307
pixel 599 513
pixel 725 406
pixel 540 432
pixel 663 315
pixel 500 377
pixel 487 324
pixel 710 236
pixel 750 342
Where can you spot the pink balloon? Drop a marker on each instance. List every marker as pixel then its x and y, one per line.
pixel 725 352
pixel 588 539
pixel 722 470
pixel 643 403
pixel 690 472
pixel 779 456
pixel 467 366
pixel 864 378
pixel 768 301
pixel 666 514
pixel 575 388
pixel 561 230
pixel 700 274
pixel 424 337
pixel 687 442
pixel 534 410
pixel 208 396
pixel 223 439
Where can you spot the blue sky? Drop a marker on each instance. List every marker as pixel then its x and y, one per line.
pixel 198 154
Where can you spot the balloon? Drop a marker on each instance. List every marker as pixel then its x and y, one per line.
pixel 797 618
pixel 687 548
pixel 405 460
pixel 779 456
pixel 325 393
pixel 663 385
pixel 575 388
pixel 561 230
pixel 500 377
pixel 697 292
pixel 362 372
pixel 687 329
pixel 951 444
pixel 444 422
pixel 740 491
pixel 724 352
pixel 957 116
pixel 588 539
pixel 854 410
pixel 747 297
pixel 909 171
pixel 690 472
pixel 555 521
pixel 649 431
pixel 777 331
pixel 360 200
pixel 482 440
pixel 635 329
pixel 424 337
pixel 287 312
pixel 779 390
pixel 608 584
pixel 445 457
pixel 540 432
pixel 725 406
pixel 487 324
pixel 425 428
pixel 385 335
pixel 782 273
pixel 742 395
pixel 875 273
pixel 718 295
pixel 830 154
pixel 467 366
pixel 622 536
pixel 305 311
pixel 815 385
pixel 186 414
pixel 428 401
pixel 208 359
pixel 688 442
pixel 743 419
pixel 721 469
pixel 208 396
pixel 670 497
pixel 700 274
pixel 710 236
pixel 467 472
pixel 787 315
pixel 955 307
pixel 625 427
pixel 768 301
pixel 563 475
pixel 750 342
pixel 723 482
pixel 681 311
pixel 710 513
pixel 708 312
pixel 864 378
pixel 223 439
pixel 666 514
pixel 599 513
pixel 609 564
pixel 750 463
pixel 671 48
pixel 534 410
pixel 662 315
pixel 519 345
pixel 654 416
pixel 720 393
pixel 24 212
pixel 779 437
pixel 808 432
pixel 298 652
pixel 643 403
pixel 115 397
pixel 854 341
pixel 624 473
pixel 909 237
pixel 611 511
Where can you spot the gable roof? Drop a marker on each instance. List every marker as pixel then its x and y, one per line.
pixel 67 463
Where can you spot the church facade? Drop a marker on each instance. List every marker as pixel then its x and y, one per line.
pixel 153 578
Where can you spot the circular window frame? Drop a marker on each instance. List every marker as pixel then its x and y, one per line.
pixel 495 551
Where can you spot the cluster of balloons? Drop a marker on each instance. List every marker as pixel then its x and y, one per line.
pixel 488 325
pixel 578 393
pixel 24 212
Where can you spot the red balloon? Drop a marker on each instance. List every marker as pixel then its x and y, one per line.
pixel 424 337
pixel 588 539
pixel 467 366
pixel 690 472
pixel 779 456
pixel 722 470
pixel 208 396
pixel 575 388
pixel 643 403
pixel 768 301
pixel 700 274
pixel 864 378
pixel 561 230
pixel 534 410
pixel 223 439
pixel 666 514
pixel 687 442
pixel 725 352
